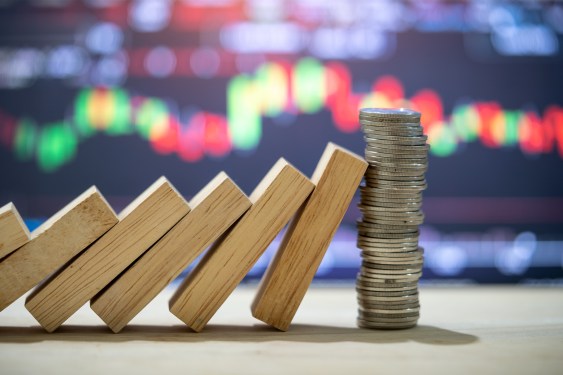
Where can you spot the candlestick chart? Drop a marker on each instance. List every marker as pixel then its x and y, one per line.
pixel 305 87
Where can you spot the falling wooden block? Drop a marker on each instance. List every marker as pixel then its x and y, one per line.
pixel 214 209
pixel 292 269
pixel 54 243
pixel 141 224
pixel 275 200
pixel 13 231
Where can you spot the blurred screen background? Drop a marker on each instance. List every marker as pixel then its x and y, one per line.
pixel 116 93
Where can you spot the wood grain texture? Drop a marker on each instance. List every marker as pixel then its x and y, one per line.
pixel 214 209
pixel 275 200
pixel 54 243
pixel 463 329
pixel 141 224
pixel 13 231
pixel 285 282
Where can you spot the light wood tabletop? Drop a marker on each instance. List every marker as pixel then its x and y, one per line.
pixel 515 330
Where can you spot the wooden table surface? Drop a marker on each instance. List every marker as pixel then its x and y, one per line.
pixel 474 330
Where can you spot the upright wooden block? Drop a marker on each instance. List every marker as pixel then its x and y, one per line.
pixel 214 209
pixel 288 276
pixel 13 231
pixel 275 200
pixel 141 224
pixel 54 243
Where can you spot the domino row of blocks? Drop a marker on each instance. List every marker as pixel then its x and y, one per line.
pixel 120 263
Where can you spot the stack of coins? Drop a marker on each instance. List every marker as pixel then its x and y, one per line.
pixel 391 199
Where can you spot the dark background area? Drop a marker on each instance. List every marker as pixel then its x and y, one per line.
pixel 493 214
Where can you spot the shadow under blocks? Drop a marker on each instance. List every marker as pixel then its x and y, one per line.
pixel 258 333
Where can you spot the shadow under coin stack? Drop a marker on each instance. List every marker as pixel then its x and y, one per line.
pixel 387 284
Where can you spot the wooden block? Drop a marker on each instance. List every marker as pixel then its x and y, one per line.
pixel 141 224
pixel 275 200
pixel 214 209
pixel 54 243
pixel 13 231
pixel 292 269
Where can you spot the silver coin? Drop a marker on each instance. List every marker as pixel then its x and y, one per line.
pixel 408 138
pixel 402 240
pixel 382 130
pixel 379 205
pixel 391 278
pixel 386 184
pixel 379 160
pixel 388 228
pixel 382 219
pixel 395 221
pixel 383 258
pixel 408 289
pixel 378 171
pixel 401 170
pixel 383 326
pixel 371 318
pixel 388 317
pixel 410 250
pixel 400 209
pixel 388 112
pixel 405 298
pixel 407 189
pixel 370 239
pixel 379 252
pixel 377 209
pixel 414 256
pixel 389 202
pixel 400 243
pixel 411 255
pixel 418 165
pixel 412 289
pixel 375 230
pixel 365 302
pixel 388 214
pixel 373 144
pixel 377 234
pixel 374 293
pixel 390 307
pixel 391 180
pixel 377 283
pixel 389 273
pixel 416 185
pixel 390 127
pixel 404 262
pixel 388 254
pixel 386 195
pixel 383 266
pixel 410 270
pixel 411 158
pixel 392 147
pixel 404 122
pixel 409 312
pixel 374 173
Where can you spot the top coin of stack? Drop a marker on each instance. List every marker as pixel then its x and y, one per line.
pixel 391 200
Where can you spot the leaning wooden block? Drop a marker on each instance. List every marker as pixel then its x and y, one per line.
pixel 140 225
pixel 288 276
pixel 275 200
pixel 54 243
pixel 13 231
pixel 214 209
